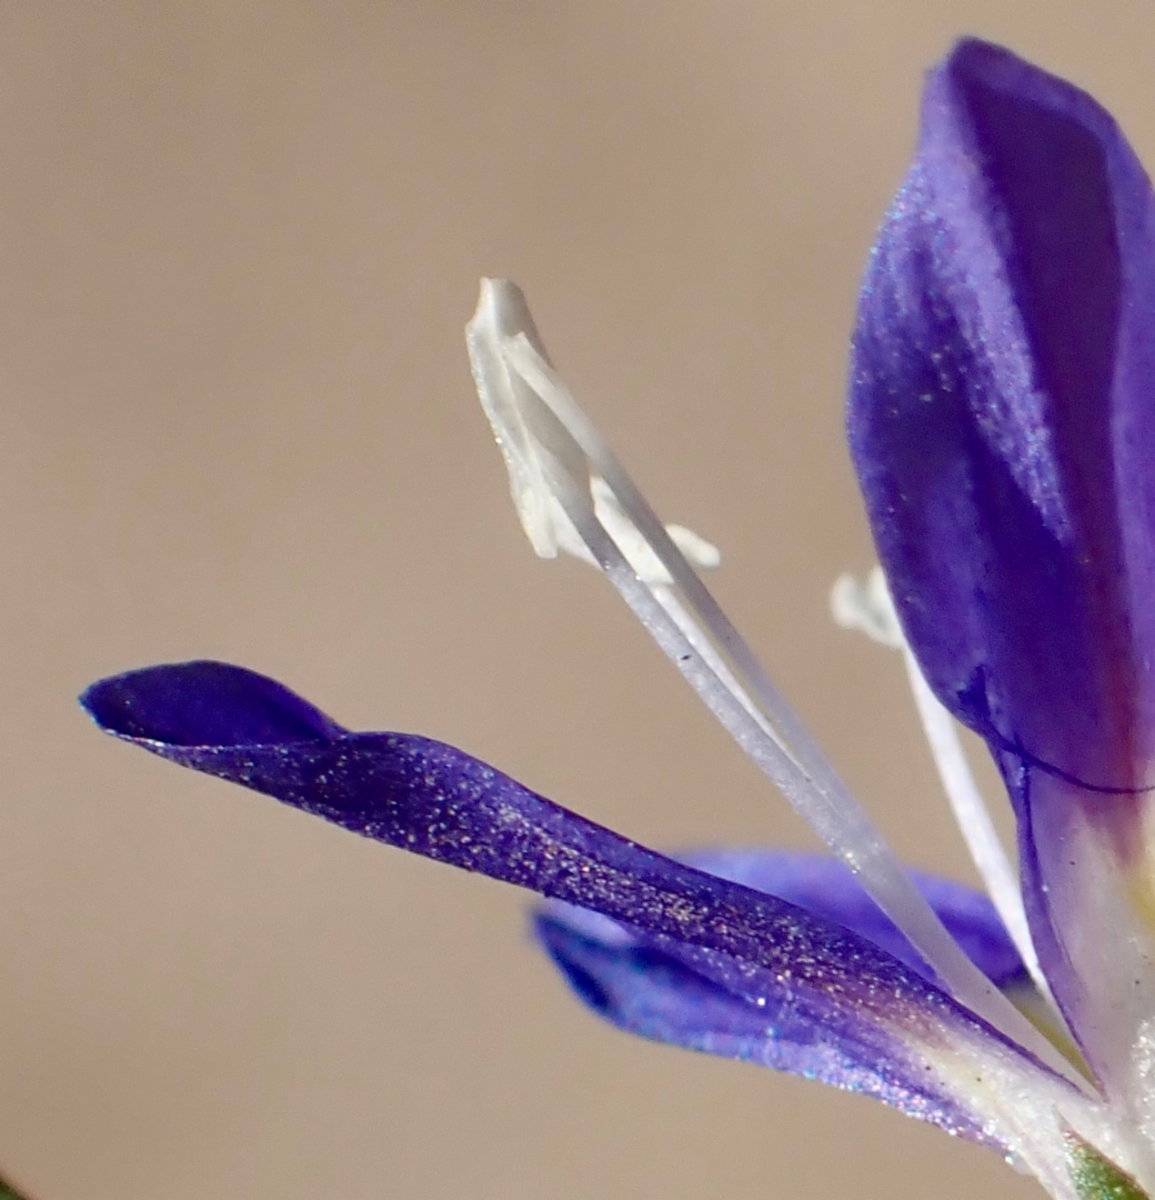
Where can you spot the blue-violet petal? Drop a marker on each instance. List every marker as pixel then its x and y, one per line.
pixel 880 1026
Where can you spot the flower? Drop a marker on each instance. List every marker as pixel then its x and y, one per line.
pixel 1002 421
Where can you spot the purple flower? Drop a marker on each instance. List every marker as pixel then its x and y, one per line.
pixel 1002 420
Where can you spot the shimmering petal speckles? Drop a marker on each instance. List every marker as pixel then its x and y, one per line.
pixel 729 954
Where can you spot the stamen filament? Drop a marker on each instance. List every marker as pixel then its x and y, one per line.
pixel 869 609
pixel 974 819
pixel 534 414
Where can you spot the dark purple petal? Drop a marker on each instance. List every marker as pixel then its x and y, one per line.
pixel 204 703
pixel 434 800
pixel 1002 418
pixel 878 1018
pixel 999 419
pixel 826 887
pixel 647 987
pixel 636 984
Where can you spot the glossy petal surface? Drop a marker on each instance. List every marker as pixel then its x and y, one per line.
pixel 664 992
pixel 1001 419
pixel 878 1025
pixel 826 887
pixel 648 989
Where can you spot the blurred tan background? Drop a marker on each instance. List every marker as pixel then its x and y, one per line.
pixel 239 241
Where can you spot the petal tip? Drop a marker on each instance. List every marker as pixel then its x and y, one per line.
pixel 203 703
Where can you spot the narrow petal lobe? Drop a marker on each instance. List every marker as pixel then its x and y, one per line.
pixel 876 1024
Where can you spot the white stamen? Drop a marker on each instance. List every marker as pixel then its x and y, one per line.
pixel 554 456
pixel 866 608
pixel 869 609
pixel 646 564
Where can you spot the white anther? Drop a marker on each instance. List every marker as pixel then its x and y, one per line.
pixel 701 554
pixel 866 608
pixel 523 430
